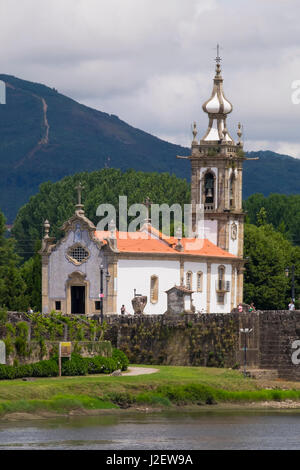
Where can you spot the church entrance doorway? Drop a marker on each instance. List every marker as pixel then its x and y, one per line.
pixel 78 300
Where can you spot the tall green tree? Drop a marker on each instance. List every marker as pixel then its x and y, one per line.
pixel 269 253
pixel 282 211
pixel 31 272
pixel 12 285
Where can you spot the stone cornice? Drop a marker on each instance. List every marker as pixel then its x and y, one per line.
pixel 183 257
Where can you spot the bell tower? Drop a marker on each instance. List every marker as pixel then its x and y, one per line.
pixel 217 173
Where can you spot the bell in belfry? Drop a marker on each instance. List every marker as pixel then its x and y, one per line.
pixel 209 193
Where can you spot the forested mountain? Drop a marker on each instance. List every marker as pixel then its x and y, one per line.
pixel 45 136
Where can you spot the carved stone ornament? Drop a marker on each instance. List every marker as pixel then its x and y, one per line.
pixel 234 231
pixel 77 276
pixel 139 303
pixel 77 254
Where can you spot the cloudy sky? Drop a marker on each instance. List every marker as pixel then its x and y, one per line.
pixel 151 62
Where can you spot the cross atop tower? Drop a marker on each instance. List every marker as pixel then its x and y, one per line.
pixel 218 58
pixel 79 189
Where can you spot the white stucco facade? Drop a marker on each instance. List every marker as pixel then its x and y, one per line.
pixel 136 274
pixel 215 306
pixel 234 228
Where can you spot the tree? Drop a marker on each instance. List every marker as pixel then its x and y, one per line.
pixel 12 285
pixel 31 272
pixel 269 253
pixel 282 211
pixel 56 201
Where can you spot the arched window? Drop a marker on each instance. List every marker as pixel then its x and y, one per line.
pixel 154 289
pixel 209 188
pixel 221 278
pixel 199 281
pixel 232 190
pixel 221 288
pixel 189 280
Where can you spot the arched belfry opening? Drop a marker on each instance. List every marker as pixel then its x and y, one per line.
pixel 232 187
pixel 209 191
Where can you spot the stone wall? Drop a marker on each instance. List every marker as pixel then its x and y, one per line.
pixel 36 352
pixel 201 340
pixel 278 331
pixel 186 340
pixel 210 340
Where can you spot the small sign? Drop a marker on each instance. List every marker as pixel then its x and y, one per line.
pixel 101 296
pixel 65 349
pixel 2 353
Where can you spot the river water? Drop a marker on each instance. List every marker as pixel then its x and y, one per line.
pixel 158 431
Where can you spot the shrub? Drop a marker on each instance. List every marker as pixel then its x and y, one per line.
pixel 121 359
pixel 7 372
pixel 122 399
pixel 101 365
pixel 21 346
pixel 44 368
pixel 25 370
pixel 43 348
pixel 9 345
pixel 76 366
pixel 22 329
pixel 39 369
pixel 3 315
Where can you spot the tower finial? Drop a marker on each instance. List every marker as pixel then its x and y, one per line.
pixel 195 132
pixel 218 61
pixel 46 229
pixel 79 206
pixel 217 107
pixel 240 134
pixel 148 203
pixel 218 58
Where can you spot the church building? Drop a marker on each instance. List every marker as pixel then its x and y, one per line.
pixel 91 272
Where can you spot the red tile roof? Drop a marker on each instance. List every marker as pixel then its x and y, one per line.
pixel 144 242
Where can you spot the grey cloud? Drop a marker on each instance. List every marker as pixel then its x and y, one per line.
pixel 152 63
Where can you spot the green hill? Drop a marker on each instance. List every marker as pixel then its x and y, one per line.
pixel 272 173
pixel 45 136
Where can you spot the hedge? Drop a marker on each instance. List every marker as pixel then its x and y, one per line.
pixel 39 369
pixel 76 366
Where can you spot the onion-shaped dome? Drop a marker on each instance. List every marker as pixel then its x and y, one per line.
pixel 217 103
pixel 217 108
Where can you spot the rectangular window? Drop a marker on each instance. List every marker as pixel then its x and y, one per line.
pixel 189 280
pixel 220 298
pixel 199 282
pixel 58 305
pixel 154 289
pixel 97 305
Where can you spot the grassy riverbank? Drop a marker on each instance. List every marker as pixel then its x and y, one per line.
pixel 169 387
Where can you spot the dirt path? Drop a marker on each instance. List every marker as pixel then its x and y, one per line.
pixel 140 371
pixel 44 140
